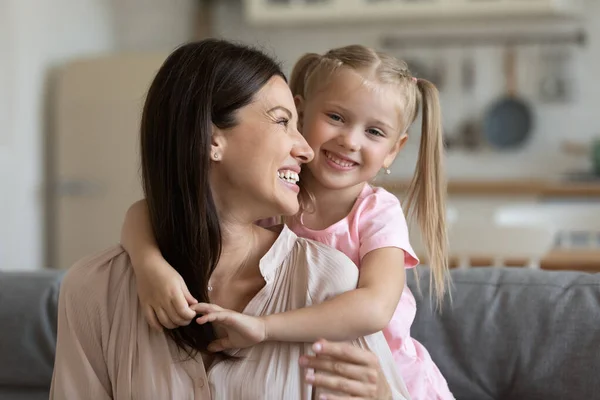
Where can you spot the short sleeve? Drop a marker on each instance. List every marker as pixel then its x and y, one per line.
pixel 382 224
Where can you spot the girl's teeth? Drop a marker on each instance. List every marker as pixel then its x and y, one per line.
pixel 338 161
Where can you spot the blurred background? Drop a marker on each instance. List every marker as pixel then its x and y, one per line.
pixel 519 89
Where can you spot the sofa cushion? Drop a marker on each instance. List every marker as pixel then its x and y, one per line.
pixel 513 333
pixel 23 393
pixel 28 313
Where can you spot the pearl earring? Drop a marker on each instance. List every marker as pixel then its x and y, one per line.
pixel 216 156
pixel 387 171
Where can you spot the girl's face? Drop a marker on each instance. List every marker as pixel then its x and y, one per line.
pixel 260 158
pixel 354 127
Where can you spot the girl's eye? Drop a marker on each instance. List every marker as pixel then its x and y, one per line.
pixel 335 117
pixel 375 132
pixel 283 121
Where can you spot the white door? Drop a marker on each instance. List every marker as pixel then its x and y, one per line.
pixel 93 151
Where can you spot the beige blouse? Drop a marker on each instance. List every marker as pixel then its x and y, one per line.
pixel 106 350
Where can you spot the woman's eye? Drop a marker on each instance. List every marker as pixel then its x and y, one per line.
pixel 283 121
pixel 375 132
pixel 335 117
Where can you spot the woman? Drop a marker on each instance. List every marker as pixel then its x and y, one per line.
pixel 220 150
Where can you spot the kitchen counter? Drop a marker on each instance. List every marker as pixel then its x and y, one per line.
pixel 587 260
pixel 540 188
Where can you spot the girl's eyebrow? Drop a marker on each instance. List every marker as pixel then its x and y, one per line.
pixel 376 121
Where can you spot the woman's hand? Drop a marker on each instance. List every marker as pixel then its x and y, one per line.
pixel 240 330
pixel 352 372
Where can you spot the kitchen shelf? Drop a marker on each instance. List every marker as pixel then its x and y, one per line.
pixel 281 12
pixel 538 188
pixel 577 38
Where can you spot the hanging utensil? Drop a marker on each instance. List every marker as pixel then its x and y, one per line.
pixel 508 122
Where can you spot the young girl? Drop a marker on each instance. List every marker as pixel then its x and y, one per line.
pixel 355 106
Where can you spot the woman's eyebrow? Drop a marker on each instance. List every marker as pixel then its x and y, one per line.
pixel 289 113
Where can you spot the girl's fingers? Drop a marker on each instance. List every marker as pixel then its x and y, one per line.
pixel 180 312
pixel 164 319
pixel 222 317
pixel 205 308
pixel 188 297
pixel 220 345
pixel 151 318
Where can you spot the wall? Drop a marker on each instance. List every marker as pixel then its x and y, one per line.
pixel 39 35
pixel 541 157
pixel 35 37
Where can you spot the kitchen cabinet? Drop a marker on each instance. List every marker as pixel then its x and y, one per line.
pixel 286 12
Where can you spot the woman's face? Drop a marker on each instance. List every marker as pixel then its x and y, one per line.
pixel 255 174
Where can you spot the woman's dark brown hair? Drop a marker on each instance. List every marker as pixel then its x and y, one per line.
pixel 200 84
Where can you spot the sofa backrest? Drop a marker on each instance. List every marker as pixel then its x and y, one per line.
pixel 515 333
pixel 510 333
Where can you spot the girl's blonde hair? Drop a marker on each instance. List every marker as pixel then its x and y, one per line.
pixel 426 199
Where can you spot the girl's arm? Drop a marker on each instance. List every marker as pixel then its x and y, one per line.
pixel 359 312
pixel 136 235
pixel 164 297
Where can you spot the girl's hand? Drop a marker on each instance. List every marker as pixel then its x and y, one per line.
pixel 164 297
pixel 351 372
pixel 240 330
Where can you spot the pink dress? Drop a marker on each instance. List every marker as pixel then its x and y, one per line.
pixel 377 221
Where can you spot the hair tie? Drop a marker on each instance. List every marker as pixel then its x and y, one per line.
pixel 414 79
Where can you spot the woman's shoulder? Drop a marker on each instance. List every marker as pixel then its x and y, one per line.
pixel 93 279
pixel 330 271
pixel 99 265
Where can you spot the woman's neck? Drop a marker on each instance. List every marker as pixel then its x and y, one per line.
pixel 237 277
pixel 239 243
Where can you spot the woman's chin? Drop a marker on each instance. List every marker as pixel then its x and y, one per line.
pixel 287 198
pixel 291 210
pixel 289 207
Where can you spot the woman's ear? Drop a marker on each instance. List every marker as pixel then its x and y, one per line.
pixel 299 101
pixel 217 144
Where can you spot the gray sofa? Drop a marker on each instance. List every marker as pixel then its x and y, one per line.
pixel 509 334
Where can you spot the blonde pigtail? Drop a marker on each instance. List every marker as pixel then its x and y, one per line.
pixel 302 72
pixel 426 199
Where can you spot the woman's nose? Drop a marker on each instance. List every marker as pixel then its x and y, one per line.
pixel 301 150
